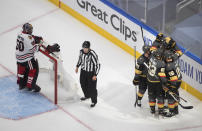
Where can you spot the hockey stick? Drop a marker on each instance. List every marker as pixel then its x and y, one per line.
pixel 136 96
pixel 135 86
pixel 142 35
pixel 179 97
pixel 175 94
pixel 184 107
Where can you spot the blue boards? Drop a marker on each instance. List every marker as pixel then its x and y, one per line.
pixel 18 104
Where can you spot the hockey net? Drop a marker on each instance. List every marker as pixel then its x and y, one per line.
pixel 55 82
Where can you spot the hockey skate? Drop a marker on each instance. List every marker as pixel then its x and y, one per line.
pixel 93 105
pixel 152 111
pixel 139 103
pixel 21 87
pixel 170 114
pixel 35 89
pixel 84 98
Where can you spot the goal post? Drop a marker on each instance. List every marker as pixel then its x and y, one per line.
pixel 55 73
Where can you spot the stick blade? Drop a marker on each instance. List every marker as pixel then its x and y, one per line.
pixel 187 107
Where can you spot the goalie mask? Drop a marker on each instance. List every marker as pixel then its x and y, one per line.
pixel 27 28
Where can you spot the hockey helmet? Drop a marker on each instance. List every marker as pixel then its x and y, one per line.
pixel 158 53
pixel 160 37
pixel 168 55
pixel 146 48
pixel 169 43
pixel 27 28
pixel 86 44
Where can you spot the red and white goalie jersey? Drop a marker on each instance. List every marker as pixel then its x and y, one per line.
pixel 25 47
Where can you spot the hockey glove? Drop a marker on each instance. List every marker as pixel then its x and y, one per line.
pixel 53 48
pixel 136 80
pixel 37 39
pixel 166 89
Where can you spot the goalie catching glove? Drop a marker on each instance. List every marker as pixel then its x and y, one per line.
pixel 53 48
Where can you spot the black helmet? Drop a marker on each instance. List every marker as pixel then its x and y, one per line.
pixel 146 48
pixel 168 55
pixel 169 43
pixel 86 44
pixel 160 37
pixel 158 53
pixel 27 28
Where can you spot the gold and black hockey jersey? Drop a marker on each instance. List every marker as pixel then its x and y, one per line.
pixel 173 73
pixel 140 68
pixel 156 70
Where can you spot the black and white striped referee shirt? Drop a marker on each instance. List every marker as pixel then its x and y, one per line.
pixel 89 62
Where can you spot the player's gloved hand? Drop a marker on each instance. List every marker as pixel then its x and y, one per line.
pixel 53 48
pixel 136 80
pixel 166 89
pixel 56 47
pixel 37 39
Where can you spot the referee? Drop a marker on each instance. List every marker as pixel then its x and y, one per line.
pixel 90 66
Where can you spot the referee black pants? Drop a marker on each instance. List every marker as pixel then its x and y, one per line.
pixel 88 85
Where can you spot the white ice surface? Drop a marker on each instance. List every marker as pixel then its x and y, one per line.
pixel 114 111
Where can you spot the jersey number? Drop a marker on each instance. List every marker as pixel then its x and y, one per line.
pixel 152 69
pixel 178 72
pixel 20 45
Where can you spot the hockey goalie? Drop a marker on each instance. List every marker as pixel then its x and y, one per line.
pixel 28 67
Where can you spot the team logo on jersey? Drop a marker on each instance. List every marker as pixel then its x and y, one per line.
pixel 30 37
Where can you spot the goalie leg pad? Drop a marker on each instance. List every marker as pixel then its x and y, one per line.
pixel 33 73
pixel 21 74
